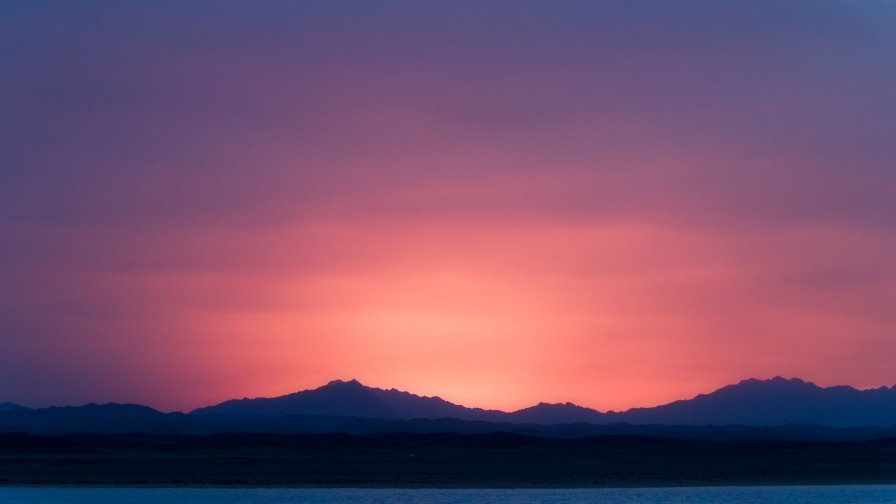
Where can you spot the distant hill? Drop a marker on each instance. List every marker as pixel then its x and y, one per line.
pixel 545 413
pixel 351 398
pixel 95 418
pixel 8 406
pixel 777 401
pixel 751 409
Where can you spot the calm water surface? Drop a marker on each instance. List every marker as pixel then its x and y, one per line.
pixel 790 495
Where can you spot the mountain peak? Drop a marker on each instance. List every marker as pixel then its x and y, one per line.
pixel 556 405
pixel 557 413
pixel 343 383
pixel 781 379
pixel 775 380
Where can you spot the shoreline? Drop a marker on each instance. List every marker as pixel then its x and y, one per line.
pixel 88 486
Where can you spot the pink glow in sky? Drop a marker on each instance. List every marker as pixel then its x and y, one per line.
pixel 611 203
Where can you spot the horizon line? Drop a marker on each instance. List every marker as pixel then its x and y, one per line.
pixel 436 396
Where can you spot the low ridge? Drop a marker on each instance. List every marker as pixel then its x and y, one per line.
pixel 350 406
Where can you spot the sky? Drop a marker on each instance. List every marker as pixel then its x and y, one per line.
pixel 612 203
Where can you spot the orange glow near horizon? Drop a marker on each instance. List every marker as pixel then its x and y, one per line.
pixel 605 317
pixel 594 202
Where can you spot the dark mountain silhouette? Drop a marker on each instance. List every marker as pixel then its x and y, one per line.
pixel 544 413
pixel 8 406
pixel 777 401
pixel 752 409
pixel 96 418
pixel 351 398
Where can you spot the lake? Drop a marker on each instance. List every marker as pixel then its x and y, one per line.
pixel 854 494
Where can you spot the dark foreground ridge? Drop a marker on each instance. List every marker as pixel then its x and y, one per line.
pixel 434 460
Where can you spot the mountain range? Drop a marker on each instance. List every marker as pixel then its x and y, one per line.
pixel 777 407
pixel 777 401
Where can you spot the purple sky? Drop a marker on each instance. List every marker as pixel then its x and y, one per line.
pixel 613 203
